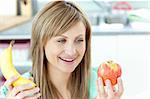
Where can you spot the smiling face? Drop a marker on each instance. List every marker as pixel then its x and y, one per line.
pixel 66 51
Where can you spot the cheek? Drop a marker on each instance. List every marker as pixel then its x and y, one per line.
pixel 52 52
pixel 82 49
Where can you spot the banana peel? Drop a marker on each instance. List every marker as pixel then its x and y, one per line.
pixel 8 70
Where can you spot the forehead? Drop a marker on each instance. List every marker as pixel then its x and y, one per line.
pixel 76 30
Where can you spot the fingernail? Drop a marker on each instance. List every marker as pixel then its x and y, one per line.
pixel 107 81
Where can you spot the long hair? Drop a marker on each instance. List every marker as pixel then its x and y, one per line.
pixel 54 19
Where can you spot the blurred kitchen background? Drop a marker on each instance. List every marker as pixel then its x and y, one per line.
pixel 120 31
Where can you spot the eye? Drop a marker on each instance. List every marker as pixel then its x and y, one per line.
pixel 80 40
pixel 61 40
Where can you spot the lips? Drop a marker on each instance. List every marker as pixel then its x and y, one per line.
pixel 67 59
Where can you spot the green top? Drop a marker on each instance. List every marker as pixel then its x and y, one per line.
pixel 92 87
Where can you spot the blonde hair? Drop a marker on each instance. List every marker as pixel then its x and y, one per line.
pixel 54 19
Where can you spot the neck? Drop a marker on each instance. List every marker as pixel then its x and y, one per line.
pixel 59 79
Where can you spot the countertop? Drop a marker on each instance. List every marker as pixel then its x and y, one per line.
pixel 23 31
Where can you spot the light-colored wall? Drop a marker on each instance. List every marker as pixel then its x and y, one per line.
pixel 132 52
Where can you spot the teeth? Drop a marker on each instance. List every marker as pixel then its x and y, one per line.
pixel 69 60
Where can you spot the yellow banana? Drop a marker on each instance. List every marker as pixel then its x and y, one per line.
pixel 8 70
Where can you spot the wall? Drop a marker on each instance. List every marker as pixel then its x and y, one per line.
pixel 132 52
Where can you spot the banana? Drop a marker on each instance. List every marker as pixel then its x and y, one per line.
pixel 8 70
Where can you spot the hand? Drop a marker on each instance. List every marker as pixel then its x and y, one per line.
pixel 22 92
pixel 109 91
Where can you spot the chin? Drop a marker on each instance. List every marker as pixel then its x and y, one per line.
pixel 70 68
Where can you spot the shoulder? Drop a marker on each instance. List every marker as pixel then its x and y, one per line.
pixel 93 79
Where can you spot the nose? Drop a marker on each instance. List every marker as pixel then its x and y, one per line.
pixel 70 50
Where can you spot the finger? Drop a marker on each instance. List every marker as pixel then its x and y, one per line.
pixel 36 96
pixel 18 89
pixel 100 87
pixel 10 81
pixel 28 93
pixel 109 88
pixel 120 87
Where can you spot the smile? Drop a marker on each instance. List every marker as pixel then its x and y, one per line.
pixel 67 60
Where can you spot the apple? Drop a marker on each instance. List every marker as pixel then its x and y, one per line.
pixel 109 70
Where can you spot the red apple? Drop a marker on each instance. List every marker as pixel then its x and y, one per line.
pixel 109 70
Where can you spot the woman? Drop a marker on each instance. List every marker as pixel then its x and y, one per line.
pixel 60 50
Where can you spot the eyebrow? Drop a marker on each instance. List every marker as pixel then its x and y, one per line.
pixel 75 37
